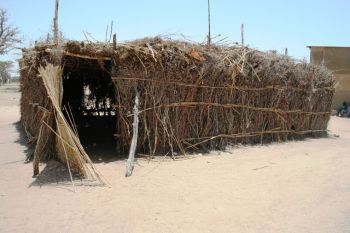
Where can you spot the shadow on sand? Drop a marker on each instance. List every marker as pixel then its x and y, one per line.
pixel 55 173
pixel 23 141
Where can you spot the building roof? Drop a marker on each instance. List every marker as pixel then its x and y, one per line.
pixel 319 46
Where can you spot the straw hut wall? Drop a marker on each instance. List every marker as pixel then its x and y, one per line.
pixel 191 98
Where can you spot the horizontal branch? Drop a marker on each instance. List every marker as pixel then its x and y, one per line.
pixel 240 88
pixel 194 104
pixel 252 134
pixel 81 55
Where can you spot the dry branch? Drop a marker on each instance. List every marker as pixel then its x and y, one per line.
pixel 135 132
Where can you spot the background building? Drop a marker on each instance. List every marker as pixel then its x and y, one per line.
pixel 336 59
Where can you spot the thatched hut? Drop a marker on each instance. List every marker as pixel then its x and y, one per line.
pixel 192 98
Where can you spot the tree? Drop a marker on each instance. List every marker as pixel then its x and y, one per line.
pixel 8 34
pixel 5 67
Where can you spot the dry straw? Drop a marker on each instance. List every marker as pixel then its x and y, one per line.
pixel 191 98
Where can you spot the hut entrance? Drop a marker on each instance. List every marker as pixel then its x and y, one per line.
pixel 88 98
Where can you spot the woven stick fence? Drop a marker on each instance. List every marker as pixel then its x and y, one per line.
pixel 195 99
pixel 191 98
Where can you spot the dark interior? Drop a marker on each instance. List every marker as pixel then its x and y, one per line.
pixel 88 98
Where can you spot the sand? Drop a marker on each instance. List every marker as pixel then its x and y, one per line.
pixel 299 186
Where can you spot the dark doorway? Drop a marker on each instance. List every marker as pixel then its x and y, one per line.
pixel 88 99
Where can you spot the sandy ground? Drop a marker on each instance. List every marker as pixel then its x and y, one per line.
pixel 299 187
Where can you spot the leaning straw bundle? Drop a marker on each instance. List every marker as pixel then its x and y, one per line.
pixel 69 149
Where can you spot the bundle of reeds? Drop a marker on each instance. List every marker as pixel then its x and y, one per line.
pixel 45 124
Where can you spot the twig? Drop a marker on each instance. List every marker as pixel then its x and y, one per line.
pixel 70 121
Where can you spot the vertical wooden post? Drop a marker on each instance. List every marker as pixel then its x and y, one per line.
pixel 40 145
pixel 323 53
pixel 209 33
pixel 55 23
pixel 242 35
pixel 135 131
pixel 114 41
pixel 114 74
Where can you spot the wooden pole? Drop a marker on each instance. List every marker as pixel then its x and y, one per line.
pixel 114 41
pixel 55 23
pixel 209 33
pixel 135 130
pixel 242 35
pixel 110 34
pixel 114 74
pixel 323 53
